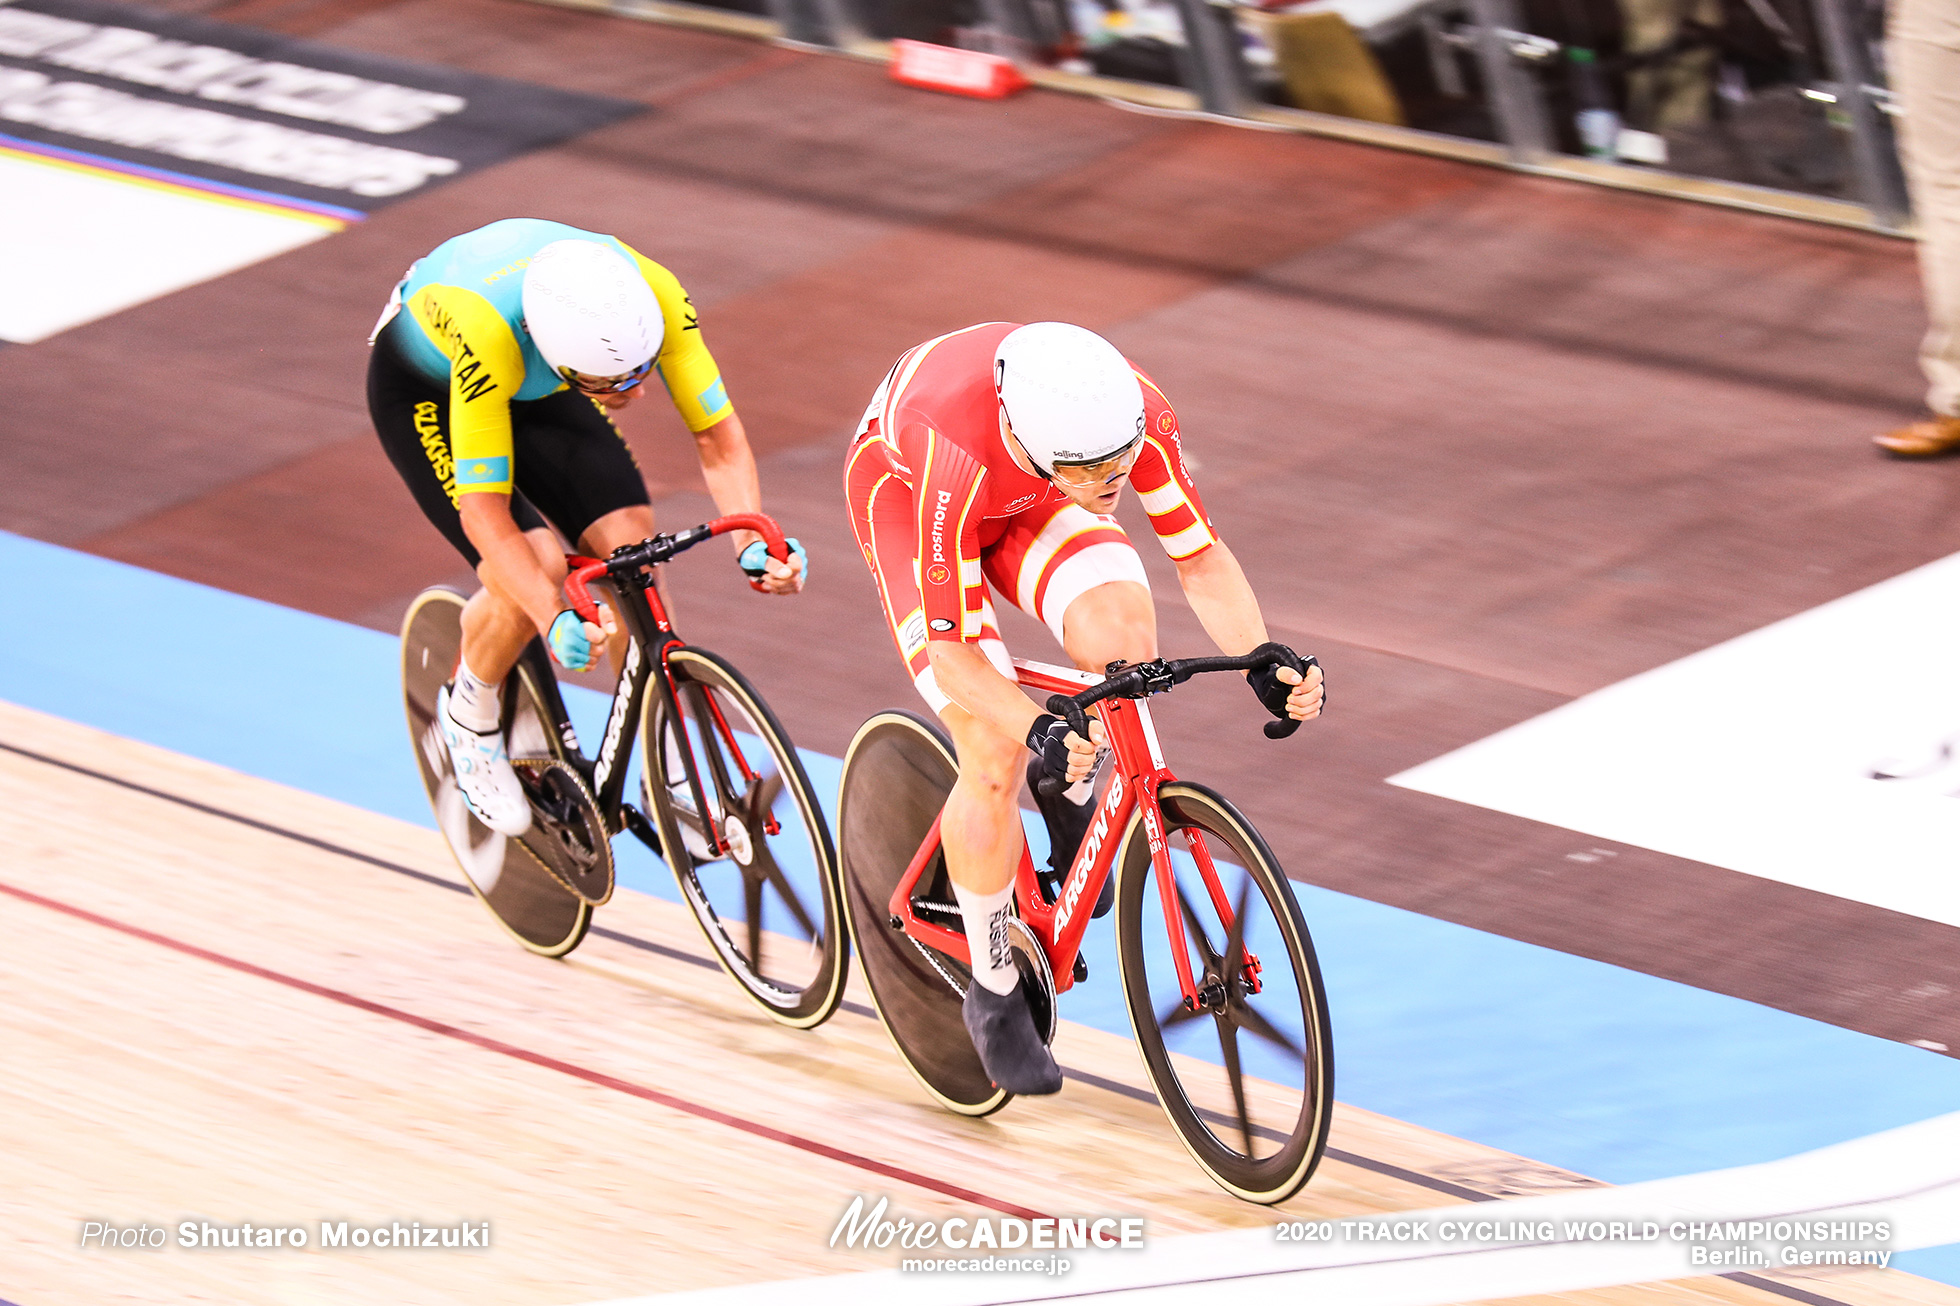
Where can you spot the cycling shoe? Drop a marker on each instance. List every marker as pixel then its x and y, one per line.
pixel 1067 825
pixel 1010 1048
pixel 484 774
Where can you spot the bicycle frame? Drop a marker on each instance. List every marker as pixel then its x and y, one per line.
pixel 1137 773
pixel 650 637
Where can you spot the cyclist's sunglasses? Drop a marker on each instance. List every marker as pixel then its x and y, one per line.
pixel 1084 475
pixel 606 385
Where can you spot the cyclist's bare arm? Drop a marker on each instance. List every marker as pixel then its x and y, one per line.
pixel 972 682
pixel 520 597
pixel 1226 607
pixel 728 466
pixel 511 566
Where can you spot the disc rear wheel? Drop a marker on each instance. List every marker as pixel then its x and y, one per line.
pixel 896 777
pixel 538 910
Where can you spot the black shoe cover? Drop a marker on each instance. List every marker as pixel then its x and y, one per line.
pixel 1010 1048
pixel 1067 824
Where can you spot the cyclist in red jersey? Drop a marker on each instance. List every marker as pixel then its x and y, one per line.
pixel 994 456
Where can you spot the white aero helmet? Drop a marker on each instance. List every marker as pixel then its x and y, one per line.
pixel 1070 396
pixel 590 311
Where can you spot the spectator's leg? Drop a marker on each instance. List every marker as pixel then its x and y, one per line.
pixel 1925 59
pixel 1923 56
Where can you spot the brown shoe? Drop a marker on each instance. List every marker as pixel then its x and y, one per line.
pixel 1922 439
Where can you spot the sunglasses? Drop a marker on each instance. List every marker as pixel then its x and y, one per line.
pixel 1084 475
pixel 606 385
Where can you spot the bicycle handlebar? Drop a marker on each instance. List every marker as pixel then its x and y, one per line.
pixel 1160 676
pixel 662 548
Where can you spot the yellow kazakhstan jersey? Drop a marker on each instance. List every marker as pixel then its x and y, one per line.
pixel 464 328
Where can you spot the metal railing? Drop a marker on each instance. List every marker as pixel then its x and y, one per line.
pixel 1776 105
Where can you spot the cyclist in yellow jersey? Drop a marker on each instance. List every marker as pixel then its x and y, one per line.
pixel 494 367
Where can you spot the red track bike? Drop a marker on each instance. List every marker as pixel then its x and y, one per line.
pixel 1218 971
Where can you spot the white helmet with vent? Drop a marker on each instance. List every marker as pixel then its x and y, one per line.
pixel 1071 398
pixel 590 311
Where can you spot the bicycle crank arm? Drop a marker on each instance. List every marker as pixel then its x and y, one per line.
pixel 635 820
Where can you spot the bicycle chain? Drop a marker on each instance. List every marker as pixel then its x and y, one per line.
pixel 932 958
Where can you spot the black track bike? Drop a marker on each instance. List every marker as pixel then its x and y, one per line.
pixel 725 800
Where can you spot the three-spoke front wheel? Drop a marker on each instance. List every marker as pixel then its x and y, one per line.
pixel 1245 1070
pixel 746 839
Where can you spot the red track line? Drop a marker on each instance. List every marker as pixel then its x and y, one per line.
pixel 600 1078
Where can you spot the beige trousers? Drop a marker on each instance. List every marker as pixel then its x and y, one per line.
pixel 1923 56
pixel 1673 94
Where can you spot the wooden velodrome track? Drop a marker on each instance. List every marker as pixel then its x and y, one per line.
pixel 1484 442
pixel 230 1002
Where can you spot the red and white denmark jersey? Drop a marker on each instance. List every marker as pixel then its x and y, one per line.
pixel 934 424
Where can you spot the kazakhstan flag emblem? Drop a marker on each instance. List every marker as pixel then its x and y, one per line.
pixel 483 471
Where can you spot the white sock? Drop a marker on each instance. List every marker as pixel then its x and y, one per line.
pixel 986 936
pixel 475 703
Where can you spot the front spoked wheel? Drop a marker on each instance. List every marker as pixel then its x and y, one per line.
pixel 1246 1073
pixel 746 839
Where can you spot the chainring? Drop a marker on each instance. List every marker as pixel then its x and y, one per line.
pixel 567 836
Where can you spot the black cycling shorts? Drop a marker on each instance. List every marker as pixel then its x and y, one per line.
pixel 570 465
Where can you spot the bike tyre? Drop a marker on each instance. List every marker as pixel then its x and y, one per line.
pixel 799 1007
pixel 897 773
pixel 531 904
pixel 1278 1176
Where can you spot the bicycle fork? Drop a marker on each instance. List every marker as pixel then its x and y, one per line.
pixel 1126 721
pixel 1134 782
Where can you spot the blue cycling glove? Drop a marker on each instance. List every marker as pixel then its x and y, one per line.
pixel 754 561
pixel 568 642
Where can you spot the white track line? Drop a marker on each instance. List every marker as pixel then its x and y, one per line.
pixel 1908 1178
pixel 102 243
pixel 1713 758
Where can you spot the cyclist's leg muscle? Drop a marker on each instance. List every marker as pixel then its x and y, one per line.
pixel 980 827
pixel 1113 621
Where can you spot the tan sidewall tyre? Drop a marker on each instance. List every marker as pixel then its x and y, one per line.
pixel 1272 1179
